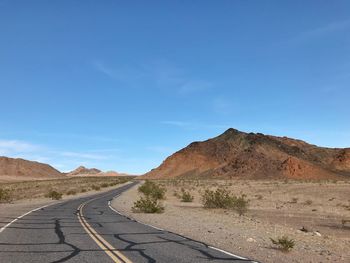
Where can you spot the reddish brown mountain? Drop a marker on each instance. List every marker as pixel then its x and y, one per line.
pixel 81 170
pixel 11 168
pixel 236 154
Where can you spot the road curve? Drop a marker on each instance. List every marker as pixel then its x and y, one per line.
pixel 87 230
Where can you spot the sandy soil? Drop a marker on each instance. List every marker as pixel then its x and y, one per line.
pixel 276 208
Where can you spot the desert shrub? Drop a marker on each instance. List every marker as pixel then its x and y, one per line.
pixel 71 192
pixel 344 221
pixel 54 195
pixel 294 200
pixel 104 185
pixel 83 190
pixel 152 190
pixel 147 205
pixel 241 205
pixel 5 196
pixel 308 202
pixel 186 197
pixel 95 187
pixel 259 197
pixel 283 243
pixel 222 198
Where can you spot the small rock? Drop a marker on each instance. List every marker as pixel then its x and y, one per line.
pixel 250 240
pixel 304 229
pixel 317 233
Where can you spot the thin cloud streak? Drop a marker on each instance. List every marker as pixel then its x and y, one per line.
pixel 195 125
pixel 322 31
pixel 161 75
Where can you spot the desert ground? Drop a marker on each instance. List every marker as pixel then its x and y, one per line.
pixel 26 191
pixel 309 212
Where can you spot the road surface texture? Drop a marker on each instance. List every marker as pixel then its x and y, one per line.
pixel 88 230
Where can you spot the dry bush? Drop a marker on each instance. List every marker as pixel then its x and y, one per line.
pixel 5 196
pixel 283 243
pixel 54 195
pixel 222 198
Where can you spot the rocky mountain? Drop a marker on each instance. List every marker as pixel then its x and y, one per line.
pixel 236 154
pixel 19 168
pixel 81 170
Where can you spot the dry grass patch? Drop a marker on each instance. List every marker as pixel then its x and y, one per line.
pixel 67 186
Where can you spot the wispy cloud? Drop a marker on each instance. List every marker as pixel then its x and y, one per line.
pixel 195 125
pixel 222 105
pixel 161 149
pixel 161 75
pixel 15 147
pixel 322 31
pixel 177 123
pixel 60 159
pixel 84 155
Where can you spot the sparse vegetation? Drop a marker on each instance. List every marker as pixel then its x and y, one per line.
pixel 71 192
pixel 186 196
pixel 5 196
pixel 308 202
pixel 149 203
pixel 54 195
pixel 95 187
pixel 222 198
pixel 152 190
pixel 284 243
pixel 345 221
pixel 294 200
pixel 39 189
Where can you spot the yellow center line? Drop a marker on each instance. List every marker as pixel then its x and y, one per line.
pixel 111 251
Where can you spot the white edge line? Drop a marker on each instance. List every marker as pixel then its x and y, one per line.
pixel 19 217
pixel 215 248
pixel 153 226
pixel 109 205
pixel 227 253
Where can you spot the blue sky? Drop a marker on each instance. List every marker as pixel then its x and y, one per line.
pixel 120 85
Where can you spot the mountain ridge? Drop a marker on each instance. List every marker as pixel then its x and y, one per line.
pixel 236 154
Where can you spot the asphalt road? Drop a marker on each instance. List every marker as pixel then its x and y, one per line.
pixel 87 230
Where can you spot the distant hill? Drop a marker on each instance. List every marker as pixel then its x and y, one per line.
pixel 19 169
pixel 236 154
pixel 83 171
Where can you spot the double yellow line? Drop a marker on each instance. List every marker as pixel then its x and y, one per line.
pixel 111 251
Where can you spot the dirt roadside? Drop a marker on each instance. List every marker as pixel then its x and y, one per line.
pixel 271 216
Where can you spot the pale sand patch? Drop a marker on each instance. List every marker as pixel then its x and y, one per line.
pixel 273 215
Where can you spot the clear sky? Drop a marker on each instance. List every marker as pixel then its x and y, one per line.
pixel 122 84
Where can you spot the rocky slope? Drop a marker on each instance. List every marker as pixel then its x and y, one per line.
pixel 19 168
pixel 236 154
pixel 83 171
